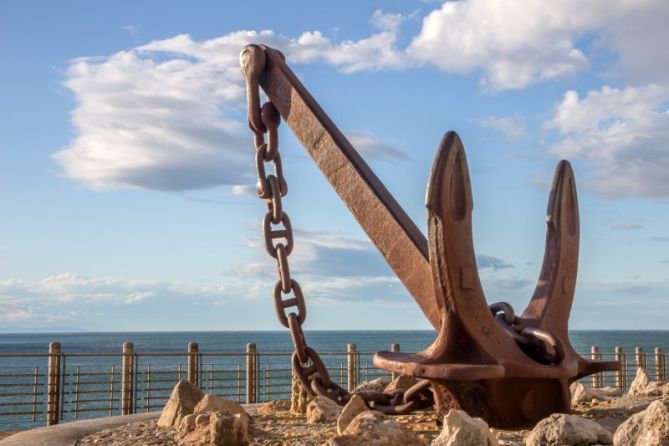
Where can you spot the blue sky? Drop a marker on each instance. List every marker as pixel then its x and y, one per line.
pixel 126 164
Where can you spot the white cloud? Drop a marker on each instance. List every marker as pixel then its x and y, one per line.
pixel 169 115
pixel 516 43
pixel 513 128
pixel 386 21
pixel 622 134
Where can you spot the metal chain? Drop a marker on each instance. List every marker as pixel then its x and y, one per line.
pixel 292 312
pixel 538 344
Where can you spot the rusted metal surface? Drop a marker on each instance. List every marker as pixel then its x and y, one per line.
pixel 398 239
pixel 510 370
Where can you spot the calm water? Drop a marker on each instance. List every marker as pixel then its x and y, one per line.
pixel 279 341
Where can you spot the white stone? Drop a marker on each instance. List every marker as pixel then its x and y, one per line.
pixel 401 382
pixel 216 429
pixel 182 402
pixel 643 386
pixel 647 428
pixel 376 385
pixel 371 428
pixel 214 403
pixel 322 410
pixel 355 406
pixel 580 393
pixel 460 429
pixel 566 430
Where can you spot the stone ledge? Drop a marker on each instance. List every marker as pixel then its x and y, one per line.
pixel 67 434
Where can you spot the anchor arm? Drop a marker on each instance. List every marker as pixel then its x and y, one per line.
pixel 398 239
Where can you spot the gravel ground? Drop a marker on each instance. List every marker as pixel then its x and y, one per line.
pixel 279 429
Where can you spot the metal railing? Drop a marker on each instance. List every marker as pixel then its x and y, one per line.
pixel 50 388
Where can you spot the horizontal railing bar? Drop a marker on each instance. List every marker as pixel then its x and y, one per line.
pixel 22 403
pixel 90 391
pixel 22 375
pixel 92 409
pixel 21 413
pixel 85 383
pixel 31 394
pixel 96 400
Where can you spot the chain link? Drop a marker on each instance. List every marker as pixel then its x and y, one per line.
pixel 540 345
pixel 307 364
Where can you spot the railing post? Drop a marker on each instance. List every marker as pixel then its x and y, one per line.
pixel 193 365
pixel 53 385
pixel 126 378
pixel 659 365
pixel 640 358
pixel 620 357
pixel 595 355
pixel 250 373
pixel 395 348
pixel 352 376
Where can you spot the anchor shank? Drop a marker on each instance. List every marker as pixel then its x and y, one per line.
pixel 398 239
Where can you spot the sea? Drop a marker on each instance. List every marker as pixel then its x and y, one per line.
pixel 279 341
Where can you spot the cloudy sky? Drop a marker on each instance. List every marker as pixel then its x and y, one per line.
pixel 126 165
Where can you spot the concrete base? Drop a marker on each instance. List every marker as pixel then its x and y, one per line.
pixel 67 434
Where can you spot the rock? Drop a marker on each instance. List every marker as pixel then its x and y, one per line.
pixel 371 428
pixel 355 406
pixel 229 430
pixel 274 406
pixel 460 429
pixel 201 419
pixel 187 424
pixel 580 393
pixel 563 429
pixel 647 428
pixel 214 403
pixel 299 398
pixel 322 410
pixel 401 382
pixel 611 391
pixel 215 429
pixel 182 402
pixel 643 386
pixel 377 385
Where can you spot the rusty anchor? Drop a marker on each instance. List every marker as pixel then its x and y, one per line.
pixel 510 370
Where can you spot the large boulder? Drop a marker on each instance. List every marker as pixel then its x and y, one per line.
pixel 565 430
pixel 643 386
pixel 376 385
pixel 322 410
pixel 460 429
pixel 214 429
pixel 355 406
pixel 182 402
pixel 371 428
pixel 401 382
pixel 647 428
pixel 214 403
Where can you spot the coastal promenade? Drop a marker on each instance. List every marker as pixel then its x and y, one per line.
pixel 58 386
